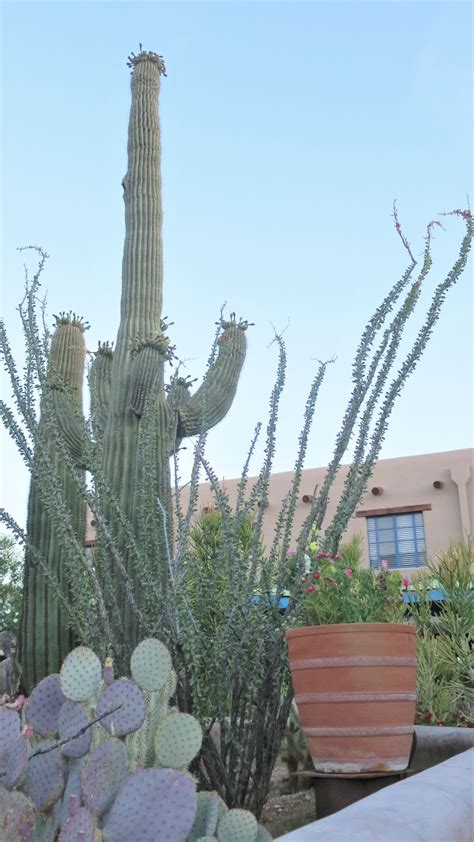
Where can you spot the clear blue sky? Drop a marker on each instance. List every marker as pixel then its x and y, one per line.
pixel 288 129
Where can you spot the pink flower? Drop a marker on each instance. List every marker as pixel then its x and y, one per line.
pixel 316 574
pixel 18 704
pixel 405 582
pixel 337 558
pixel 28 731
pixel 291 552
pixel 384 564
pixel 348 571
pixel 310 589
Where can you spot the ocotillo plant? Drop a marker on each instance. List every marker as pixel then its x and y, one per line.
pixel 45 628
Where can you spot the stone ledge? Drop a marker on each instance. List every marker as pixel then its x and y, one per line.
pixel 433 806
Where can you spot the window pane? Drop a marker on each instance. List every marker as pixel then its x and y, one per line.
pixel 397 539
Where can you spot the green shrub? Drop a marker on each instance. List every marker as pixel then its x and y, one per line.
pixel 11 579
pixel 445 644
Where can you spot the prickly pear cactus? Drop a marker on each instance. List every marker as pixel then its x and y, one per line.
pixel 77 760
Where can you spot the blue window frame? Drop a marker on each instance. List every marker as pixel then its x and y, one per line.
pixel 397 539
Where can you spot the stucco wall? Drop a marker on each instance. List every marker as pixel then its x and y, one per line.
pixel 406 481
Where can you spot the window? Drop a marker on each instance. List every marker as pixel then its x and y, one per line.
pixel 398 539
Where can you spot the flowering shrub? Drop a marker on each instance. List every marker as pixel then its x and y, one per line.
pixel 337 593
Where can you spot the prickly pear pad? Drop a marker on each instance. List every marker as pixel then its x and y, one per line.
pixel 127 704
pixel 237 826
pixel 14 762
pixel 44 704
pixel 45 777
pixel 72 718
pixel 73 787
pixel 78 827
pixel 102 776
pixel 81 674
pixel 263 835
pixel 10 726
pixel 150 664
pixel 153 804
pixel 178 740
pixel 209 809
pixel 17 816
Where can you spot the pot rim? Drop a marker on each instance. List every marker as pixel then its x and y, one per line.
pixel 351 628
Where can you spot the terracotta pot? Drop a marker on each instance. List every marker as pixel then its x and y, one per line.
pixel 355 687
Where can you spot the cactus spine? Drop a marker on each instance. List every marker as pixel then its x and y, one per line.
pixel 45 636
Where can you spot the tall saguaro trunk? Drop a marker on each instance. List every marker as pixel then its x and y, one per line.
pixel 137 374
pixel 45 636
pixel 139 410
pixel 137 423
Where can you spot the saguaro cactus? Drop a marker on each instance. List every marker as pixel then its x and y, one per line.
pixel 46 637
pixel 136 374
pixel 130 406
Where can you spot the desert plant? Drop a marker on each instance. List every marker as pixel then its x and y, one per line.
pixel 351 551
pixel 445 673
pixel 81 761
pixel 11 581
pixel 137 578
pixel 205 571
pixel 335 593
pixel 128 392
pixel 46 633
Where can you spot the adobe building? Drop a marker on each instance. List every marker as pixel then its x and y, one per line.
pixel 413 506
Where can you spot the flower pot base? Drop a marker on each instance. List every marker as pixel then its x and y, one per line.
pixel 388 765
